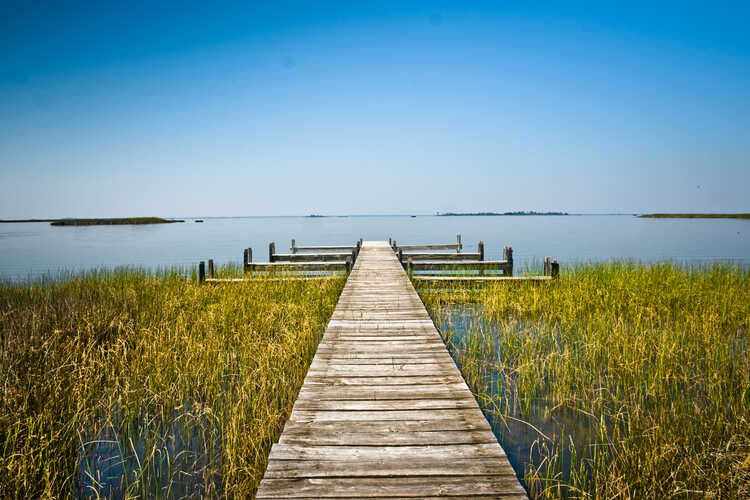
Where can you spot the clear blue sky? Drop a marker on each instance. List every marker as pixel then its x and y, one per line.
pixel 230 109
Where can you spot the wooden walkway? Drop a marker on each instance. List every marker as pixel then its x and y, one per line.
pixel 384 412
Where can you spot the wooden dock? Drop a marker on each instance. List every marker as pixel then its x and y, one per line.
pixel 384 412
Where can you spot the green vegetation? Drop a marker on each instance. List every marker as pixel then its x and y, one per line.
pixel 130 384
pixel 632 381
pixel 695 216
pixel 115 221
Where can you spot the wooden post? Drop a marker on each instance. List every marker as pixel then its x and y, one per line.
pixel 201 272
pixel 508 256
pixel 409 268
pixel 458 243
pixel 401 256
pixel 394 245
pixel 246 259
pixel 389 242
pixel 354 256
pixel 271 251
pixel 348 265
pixel 554 269
pixel 480 249
pixel 211 268
pixel 547 270
pixel 292 249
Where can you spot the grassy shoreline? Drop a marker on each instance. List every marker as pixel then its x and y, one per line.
pixel 694 216
pixel 129 384
pixel 633 381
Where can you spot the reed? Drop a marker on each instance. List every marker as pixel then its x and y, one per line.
pixel 633 380
pixel 133 384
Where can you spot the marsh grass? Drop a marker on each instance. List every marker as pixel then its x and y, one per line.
pixel 628 380
pixel 133 384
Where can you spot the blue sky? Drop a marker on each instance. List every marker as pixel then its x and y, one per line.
pixel 234 109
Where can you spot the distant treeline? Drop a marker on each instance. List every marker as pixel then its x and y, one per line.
pixel 695 216
pixel 522 212
pixel 115 221
pixel 11 221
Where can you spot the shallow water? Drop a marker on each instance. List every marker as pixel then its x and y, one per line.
pixel 30 250
pixel 527 434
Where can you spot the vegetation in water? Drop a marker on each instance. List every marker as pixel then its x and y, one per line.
pixel 114 221
pixel 634 380
pixel 130 384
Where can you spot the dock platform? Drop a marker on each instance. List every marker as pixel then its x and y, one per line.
pixel 384 411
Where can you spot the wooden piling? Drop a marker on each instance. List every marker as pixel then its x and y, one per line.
pixel 459 247
pixel 547 269
pixel 292 249
pixel 271 251
pixel 508 256
pixel 480 250
pixel 554 269
pixel 201 272
pixel 211 268
pixel 247 258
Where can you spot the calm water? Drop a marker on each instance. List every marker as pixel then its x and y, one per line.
pixel 31 250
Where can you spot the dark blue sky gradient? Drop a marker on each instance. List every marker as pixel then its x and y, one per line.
pixel 229 109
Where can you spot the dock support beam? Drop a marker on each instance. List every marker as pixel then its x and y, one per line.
pixel 508 256
pixel 554 269
pixel 247 258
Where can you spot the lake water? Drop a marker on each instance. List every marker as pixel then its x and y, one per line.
pixel 34 249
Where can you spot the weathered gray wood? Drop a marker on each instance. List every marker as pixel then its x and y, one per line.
pixel 311 257
pixel 442 256
pixel 547 268
pixel 297 266
pixel 483 279
pixel 247 258
pixel 211 268
pixel 292 248
pixel 554 269
pixel 201 272
pixel 263 279
pixel 471 265
pixel 383 411
pixel 271 251
pixel 480 250
pixel 508 256
pixel 279 469
pixel 324 248
pixel 414 486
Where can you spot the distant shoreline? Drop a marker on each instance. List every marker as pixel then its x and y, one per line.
pixel 114 221
pixel 694 216
pixel 496 214
pixel 15 221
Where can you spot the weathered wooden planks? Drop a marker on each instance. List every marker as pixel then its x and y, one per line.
pixel 384 412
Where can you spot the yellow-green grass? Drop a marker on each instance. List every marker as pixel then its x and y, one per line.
pixel 651 361
pixel 170 387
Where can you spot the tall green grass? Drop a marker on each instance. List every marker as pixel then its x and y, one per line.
pixel 651 361
pixel 138 385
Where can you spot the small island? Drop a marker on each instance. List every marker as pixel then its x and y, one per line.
pixel 694 216
pixel 482 214
pixel 15 221
pixel 114 221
